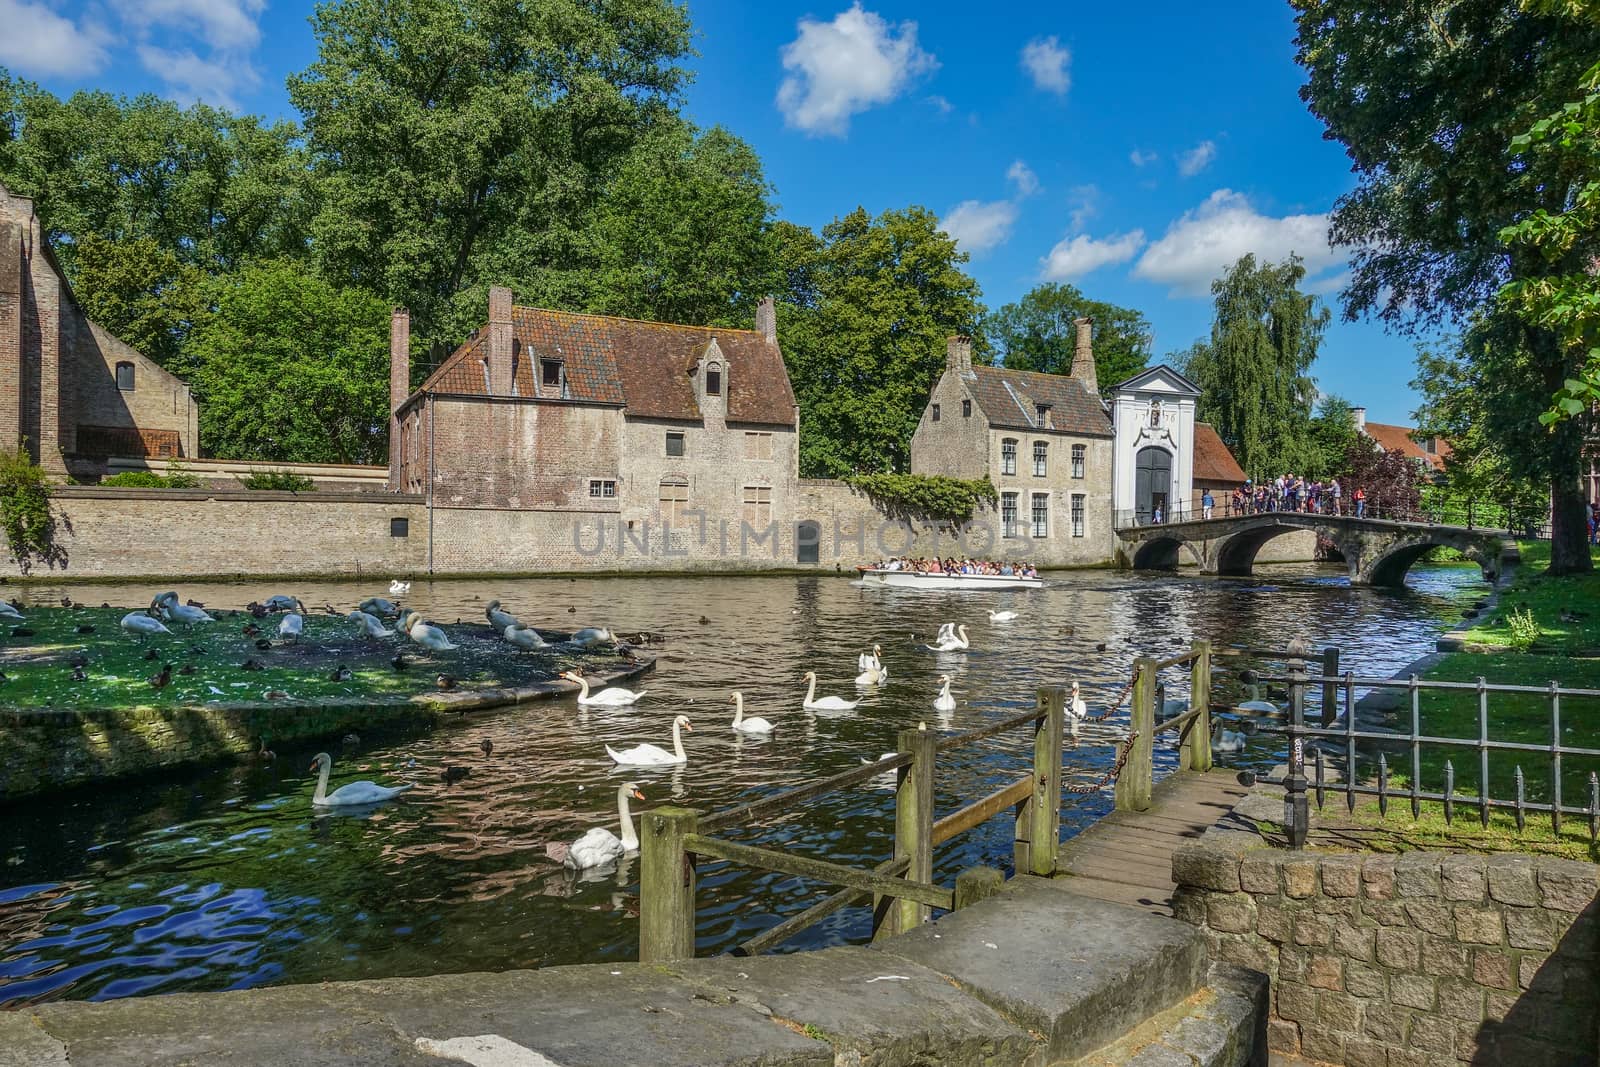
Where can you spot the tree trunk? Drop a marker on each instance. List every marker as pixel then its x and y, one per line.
pixel 1569 528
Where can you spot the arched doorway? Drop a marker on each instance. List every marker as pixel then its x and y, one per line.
pixel 1152 484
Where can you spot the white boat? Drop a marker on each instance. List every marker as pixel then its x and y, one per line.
pixel 945 582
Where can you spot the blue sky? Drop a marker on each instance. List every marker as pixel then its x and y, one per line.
pixel 1129 149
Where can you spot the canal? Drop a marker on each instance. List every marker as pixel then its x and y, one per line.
pixel 226 878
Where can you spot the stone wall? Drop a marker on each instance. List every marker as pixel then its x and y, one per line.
pixel 1425 958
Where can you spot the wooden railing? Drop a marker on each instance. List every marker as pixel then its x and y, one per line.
pixel 1137 780
pixel 675 839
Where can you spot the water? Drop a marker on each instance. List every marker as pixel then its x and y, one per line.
pixel 225 878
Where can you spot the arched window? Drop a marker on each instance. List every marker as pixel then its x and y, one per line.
pixel 713 379
pixel 125 376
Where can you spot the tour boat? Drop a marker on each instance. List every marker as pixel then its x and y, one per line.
pixel 947 582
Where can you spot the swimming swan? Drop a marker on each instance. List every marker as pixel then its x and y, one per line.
pixel 143 623
pixel 355 793
pixel 1225 740
pixel 497 618
pixel 951 641
pixel 399 588
pixel 654 755
pixel 524 637
pixel 426 634
pixel 944 701
pixel 752 724
pixel 1002 616
pixel 870 664
pixel 600 847
pixel 813 703
pixel 1255 703
pixel 370 625
pixel 606 698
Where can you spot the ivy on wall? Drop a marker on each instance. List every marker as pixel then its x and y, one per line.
pixel 936 497
pixel 25 514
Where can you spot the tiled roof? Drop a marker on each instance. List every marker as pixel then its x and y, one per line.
pixel 1212 460
pixel 646 366
pixel 1400 439
pixel 1010 399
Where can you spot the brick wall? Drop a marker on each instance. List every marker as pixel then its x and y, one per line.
pixel 1427 959
pixel 157 401
pixel 521 453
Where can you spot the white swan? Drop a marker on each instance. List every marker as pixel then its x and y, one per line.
pixel 1255 703
pixel 499 619
pixel 377 605
pixel 607 698
pixel 167 603
pixel 1002 616
pixel 292 624
pixel 370 625
pixel 280 603
pixel 1225 740
pixel 654 755
pixel 399 588
pixel 600 847
pixel 870 664
pixel 349 795
pixel 944 701
pixel 747 724
pixel 1076 708
pixel 426 634
pixel 9 611
pixel 591 636
pixel 143 623
pixel 524 637
pixel 952 641
pixel 813 703
pixel 947 632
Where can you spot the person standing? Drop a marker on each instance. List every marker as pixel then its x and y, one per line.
pixel 1333 494
pixel 1206 504
pixel 1360 497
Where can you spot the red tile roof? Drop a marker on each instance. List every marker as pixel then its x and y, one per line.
pixel 1010 400
pixel 647 367
pixel 1212 460
pixel 1402 439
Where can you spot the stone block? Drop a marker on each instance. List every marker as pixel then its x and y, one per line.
pixel 1325 972
pixel 1341 875
pixel 1299 878
pixel 1283 1036
pixel 1360 1052
pixel 1272 922
pixel 1311 929
pixel 1206 866
pixel 1386 1023
pixel 1231 913
pixel 1398 949
pixel 1429 916
pixel 1189 905
pixel 1248 952
pixel 1319 1044
pixel 1416 874
pixel 1363 981
pixel 1492 969
pixel 1353 942
pixel 1445 958
pixel 1512 879
pixel 1566 885
pixel 1385 912
pixel 1530 928
pixel 1462 877
pixel 1377 877
pixel 1292 964
pixel 1297 1003
pixel 1258 872
pixel 1430 1033
pixel 1461 1000
pixel 1497 1006
pixel 1579 941
pixel 1533 971
pixel 1479 926
pixel 1339 1011
pixel 1413 991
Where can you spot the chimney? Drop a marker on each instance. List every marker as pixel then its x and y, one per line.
pixel 500 366
pixel 1083 356
pixel 1360 415
pixel 958 356
pixel 399 384
pixel 767 319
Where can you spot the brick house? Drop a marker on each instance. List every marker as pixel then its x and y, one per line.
pixel 1429 452
pixel 71 392
pixel 1044 440
pixel 1214 469
pixel 641 430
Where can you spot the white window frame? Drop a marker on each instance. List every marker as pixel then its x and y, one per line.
pixel 602 489
pixel 1010 527
pixel 1041 459
pixel 1079 459
pixel 1036 513
pixel 1079 505
pixel 1008 457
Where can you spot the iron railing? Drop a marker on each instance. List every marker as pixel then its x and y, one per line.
pixel 1488 517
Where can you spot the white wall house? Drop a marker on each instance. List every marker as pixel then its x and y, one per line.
pixel 1153 415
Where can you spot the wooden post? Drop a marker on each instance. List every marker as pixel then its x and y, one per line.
pixel 1330 690
pixel 1195 754
pixel 976 883
pixel 1134 783
pixel 1044 806
pixel 666 885
pixel 913 833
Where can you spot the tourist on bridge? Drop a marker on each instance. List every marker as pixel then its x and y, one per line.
pixel 1360 497
pixel 1206 503
pixel 1333 495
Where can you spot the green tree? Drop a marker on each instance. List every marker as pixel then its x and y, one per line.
pixel 1426 99
pixel 1037 333
pixel 1333 435
pixel 291 368
pixel 1254 373
pixel 142 292
pixel 869 309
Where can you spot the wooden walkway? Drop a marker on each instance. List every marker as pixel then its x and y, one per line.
pixel 1126 857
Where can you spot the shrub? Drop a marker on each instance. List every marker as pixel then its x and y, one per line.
pixel 175 478
pixel 1524 629
pixel 951 500
pixel 279 481
pixel 25 514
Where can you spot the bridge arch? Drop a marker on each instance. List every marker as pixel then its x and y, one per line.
pixel 1235 555
pixel 1163 554
pixel 1389 567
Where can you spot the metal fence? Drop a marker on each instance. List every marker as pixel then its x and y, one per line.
pixel 1469 515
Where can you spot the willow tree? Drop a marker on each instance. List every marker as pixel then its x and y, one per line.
pixel 1255 371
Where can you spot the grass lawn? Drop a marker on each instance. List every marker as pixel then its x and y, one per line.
pixel 1546 598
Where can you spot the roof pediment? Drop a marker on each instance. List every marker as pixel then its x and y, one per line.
pixel 1158 379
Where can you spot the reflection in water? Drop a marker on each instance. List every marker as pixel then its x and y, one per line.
pixel 226 878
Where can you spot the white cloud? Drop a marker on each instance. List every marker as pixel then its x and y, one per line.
pixel 1027 181
pixel 840 68
pixel 189 77
pixel 978 226
pixel 1085 200
pixel 223 24
pixel 35 40
pixel 1197 158
pixel 1142 159
pixel 1046 62
pixel 1204 242
pixel 1073 257
pixel 943 106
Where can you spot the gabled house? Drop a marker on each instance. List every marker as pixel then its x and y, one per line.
pixel 1429 452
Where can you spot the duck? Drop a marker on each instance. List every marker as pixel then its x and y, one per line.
pixel 871 666
pixel 444 682
pixel 380 606
pixel 591 636
pixel 944 701
pixel 167 603
pixel 426 634
pixel 1002 616
pixel 85 629
pixel 608 698
pixel 282 603
pixel 340 673
pixel 399 588
pixel 451 775
pixel 370 625
pixel 747 724
pixel 251 665
pixel 399 662
pixel 814 703
pixel 654 755
pixel 524 637
pixel 1225 740
pixel 600 847
pixel 263 643
pixel 499 619
pixel 160 679
pixel 143 624
pixel 292 624
pixel 351 795
pixel 951 638
pixel 487 745
pixel 186 669
pixel 79 674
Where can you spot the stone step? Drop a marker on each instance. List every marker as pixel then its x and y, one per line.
pixel 1222 1025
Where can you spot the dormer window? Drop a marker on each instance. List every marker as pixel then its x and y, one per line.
pixel 1042 414
pixel 714 379
pixel 553 378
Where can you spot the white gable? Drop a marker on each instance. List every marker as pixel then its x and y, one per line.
pixel 1158 379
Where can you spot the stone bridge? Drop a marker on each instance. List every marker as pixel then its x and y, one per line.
pixel 1377 551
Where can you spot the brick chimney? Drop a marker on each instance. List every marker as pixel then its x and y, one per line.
pixel 1360 417
pixel 1083 356
pixel 399 384
pixel 958 356
pixel 767 319
pixel 500 347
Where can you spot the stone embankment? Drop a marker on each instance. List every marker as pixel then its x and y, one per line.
pixel 1034 975
pixel 46 750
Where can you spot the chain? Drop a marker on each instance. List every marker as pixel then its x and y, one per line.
pixel 1106 778
pixel 1116 705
